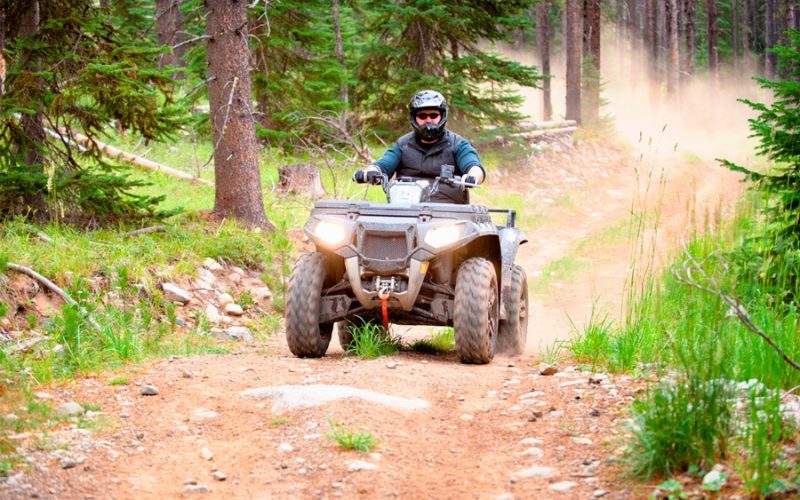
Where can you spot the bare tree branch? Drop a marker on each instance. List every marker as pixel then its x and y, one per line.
pixel 191 40
pixel 52 286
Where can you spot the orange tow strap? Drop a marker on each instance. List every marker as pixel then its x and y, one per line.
pixel 385 310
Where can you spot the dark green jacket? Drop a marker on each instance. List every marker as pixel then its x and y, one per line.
pixel 410 158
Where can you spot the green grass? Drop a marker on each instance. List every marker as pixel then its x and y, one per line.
pixel 370 341
pixel 443 340
pixel 566 201
pixel 567 268
pixel 670 328
pixel 619 232
pixel 21 413
pixel 680 424
pixel 527 218
pixel 592 344
pixel 554 353
pixel 350 440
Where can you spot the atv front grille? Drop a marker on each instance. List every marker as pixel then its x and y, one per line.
pixel 384 246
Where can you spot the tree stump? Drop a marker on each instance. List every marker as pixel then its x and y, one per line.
pixel 301 178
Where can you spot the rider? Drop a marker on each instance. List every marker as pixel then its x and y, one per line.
pixel 420 154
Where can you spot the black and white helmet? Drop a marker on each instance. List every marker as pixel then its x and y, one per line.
pixel 428 99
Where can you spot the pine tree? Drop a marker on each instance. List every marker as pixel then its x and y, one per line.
pixel 298 74
pixel 70 68
pixel 777 128
pixel 422 44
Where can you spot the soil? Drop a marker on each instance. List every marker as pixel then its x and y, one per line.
pixel 486 429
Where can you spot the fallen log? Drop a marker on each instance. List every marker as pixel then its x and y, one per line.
pixel 536 134
pixel 76 139
pixel 140 161
pixel 554 124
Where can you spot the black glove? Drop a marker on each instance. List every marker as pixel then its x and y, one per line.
pixel 368 176
pixel 470 179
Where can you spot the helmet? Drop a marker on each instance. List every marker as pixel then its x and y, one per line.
pixel 428 99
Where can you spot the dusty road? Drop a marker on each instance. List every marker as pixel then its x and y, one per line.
pixel 503 430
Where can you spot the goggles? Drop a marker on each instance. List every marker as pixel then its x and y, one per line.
pixel 424 116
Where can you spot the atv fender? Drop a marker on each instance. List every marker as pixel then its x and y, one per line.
pixel 510 240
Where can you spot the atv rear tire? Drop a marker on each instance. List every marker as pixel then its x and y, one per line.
pixel 476 311
pixel 345 335
pixel 513 331
pixel 307 338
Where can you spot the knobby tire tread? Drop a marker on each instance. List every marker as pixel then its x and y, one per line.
pixel 475 284
pixel 304 335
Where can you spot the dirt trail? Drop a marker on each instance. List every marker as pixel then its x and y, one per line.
pixel 497 431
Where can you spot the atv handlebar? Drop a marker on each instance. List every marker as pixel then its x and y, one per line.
pixel 446 177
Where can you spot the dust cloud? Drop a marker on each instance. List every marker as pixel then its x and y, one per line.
pixel 706 120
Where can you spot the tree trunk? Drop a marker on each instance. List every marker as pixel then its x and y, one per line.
pixel 32 123
pixel 591 61
pixel 713 37
pixel 169 22
pixel 745 38
pixel 573 35
pixel 636 40
pixel 2 48
pixel 673 62
pixel 735 34
pixel 770 37
pixel 689 10
pixel 236 171
pixel 651 49
pixel 622 23
pixel 301 178
pixel 337 27
pixel 662 41
pixel 543 43
pixel 756 34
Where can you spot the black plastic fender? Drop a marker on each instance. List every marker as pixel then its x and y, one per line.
pixel 510 240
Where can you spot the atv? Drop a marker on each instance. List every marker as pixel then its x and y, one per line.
pixel 413 262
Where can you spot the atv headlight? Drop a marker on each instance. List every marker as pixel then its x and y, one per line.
pixel 329 232
pixel 443 235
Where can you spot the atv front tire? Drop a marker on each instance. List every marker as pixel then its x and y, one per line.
pixel 307 338
pixel 476 311
pixel 513 331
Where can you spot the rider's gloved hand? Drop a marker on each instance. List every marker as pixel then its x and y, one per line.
pixel 470 179
pixel 367 176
